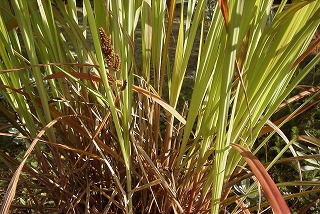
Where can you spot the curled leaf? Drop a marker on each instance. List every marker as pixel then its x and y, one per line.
pixel 271 192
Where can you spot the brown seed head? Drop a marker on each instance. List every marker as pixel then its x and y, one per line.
pixel 113 60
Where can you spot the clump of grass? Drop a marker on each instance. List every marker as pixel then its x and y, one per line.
pixel 102 134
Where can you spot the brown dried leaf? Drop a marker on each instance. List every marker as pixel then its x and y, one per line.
pixel 271 192
pixel 223 4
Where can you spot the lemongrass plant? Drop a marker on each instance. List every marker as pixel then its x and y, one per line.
pixel 86 88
